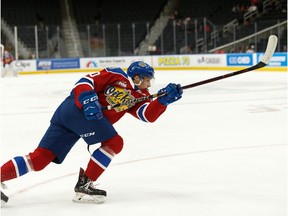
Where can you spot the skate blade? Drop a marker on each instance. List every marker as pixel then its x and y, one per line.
pixel 84 198
pixel 3 203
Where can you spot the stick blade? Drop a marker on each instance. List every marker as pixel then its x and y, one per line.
pixel 270 49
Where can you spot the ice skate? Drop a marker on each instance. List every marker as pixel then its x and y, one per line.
pixel 86 191
pixel 4 198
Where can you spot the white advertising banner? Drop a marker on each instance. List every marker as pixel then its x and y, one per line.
pixel 24 65
pixel 209 60
pixel 102 62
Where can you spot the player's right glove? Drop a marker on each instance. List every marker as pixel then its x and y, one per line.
pixel 173 93
pixel 91 106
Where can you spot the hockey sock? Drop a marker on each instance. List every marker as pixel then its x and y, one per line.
pixel 40 158
pixel 14 168
pixel 21 165
pixel 100 160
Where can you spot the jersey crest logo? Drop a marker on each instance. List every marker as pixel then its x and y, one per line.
pixel 115 95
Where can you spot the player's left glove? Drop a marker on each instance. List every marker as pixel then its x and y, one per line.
pixel 173 93
pixel 91 106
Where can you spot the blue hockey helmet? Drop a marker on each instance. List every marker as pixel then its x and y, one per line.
pixel 141 69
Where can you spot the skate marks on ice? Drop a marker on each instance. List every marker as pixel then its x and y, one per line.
pixel 186 188
pixel 223 154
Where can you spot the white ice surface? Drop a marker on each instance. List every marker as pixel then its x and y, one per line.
pixel 219 151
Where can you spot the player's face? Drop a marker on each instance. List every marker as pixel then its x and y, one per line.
pixel 146 83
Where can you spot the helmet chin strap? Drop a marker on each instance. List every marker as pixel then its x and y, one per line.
pixel 137 80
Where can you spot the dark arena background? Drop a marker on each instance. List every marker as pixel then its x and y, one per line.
pixel 98 28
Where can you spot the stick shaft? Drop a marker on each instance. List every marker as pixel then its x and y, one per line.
pixel 255 67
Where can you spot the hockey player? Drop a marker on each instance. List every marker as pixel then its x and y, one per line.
pixel 80 115
pixel 8 66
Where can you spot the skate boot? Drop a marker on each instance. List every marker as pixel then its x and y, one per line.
pixel 86 191
pixel 4 198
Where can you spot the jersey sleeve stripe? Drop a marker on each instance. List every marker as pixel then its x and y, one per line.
pixel 90 79
pixel 84 84
pixel 141 112
pixel 85 80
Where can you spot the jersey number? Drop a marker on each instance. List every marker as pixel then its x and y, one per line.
pixel 95 74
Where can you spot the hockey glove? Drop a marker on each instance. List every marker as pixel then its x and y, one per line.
pixel 173 93
pixel 91 106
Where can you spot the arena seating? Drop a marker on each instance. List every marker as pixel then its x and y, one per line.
pixel 30 13
pixel 115 14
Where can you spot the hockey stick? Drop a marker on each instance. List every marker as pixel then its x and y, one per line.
pixel 270 49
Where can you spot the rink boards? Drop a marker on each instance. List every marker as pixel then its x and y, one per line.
pixel 233 61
